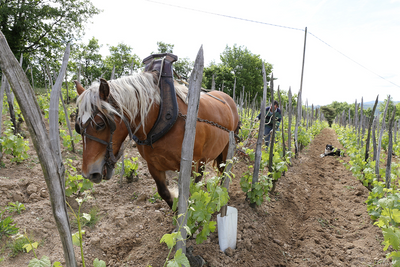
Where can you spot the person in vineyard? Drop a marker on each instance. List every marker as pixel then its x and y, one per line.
pixel 268 120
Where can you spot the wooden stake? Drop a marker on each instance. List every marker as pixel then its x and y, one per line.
pixel 188 143
pixel 36 126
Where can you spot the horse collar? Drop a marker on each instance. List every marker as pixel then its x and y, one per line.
pixel 168 113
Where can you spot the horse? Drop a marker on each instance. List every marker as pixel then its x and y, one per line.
pixel 110 110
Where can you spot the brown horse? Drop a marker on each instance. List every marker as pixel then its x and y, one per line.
pixel 109 111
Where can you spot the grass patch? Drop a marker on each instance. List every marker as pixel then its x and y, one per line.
pixel 17 245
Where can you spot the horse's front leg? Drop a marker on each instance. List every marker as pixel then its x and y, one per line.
pixel 160 179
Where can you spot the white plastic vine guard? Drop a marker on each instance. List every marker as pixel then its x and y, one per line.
pixel 227 229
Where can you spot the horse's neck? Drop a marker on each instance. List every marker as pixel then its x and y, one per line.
pixel 150 120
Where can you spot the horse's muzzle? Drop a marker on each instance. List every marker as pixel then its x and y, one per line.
pixel 95 177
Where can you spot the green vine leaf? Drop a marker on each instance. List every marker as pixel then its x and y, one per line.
pixel 76 238
pixel 28 247
pixel 179 260
pixel 43 262
pixel 98 263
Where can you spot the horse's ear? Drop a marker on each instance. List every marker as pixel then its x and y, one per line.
pixel 79 88
pixel 104 89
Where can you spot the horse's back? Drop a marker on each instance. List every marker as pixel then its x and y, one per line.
pixel 231 103
pixel 220 108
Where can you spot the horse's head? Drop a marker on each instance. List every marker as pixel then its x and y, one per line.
pixel 102 130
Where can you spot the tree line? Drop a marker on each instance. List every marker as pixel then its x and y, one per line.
pixel 38 31
pixel 339 109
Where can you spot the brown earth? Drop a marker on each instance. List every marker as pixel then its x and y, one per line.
pixel 317 217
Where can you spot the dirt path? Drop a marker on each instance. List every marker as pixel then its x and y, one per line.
pixel 316 218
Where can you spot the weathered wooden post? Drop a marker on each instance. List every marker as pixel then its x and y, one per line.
pixel 296 129
pixel 349 119
pixel 53 109
pixel 290 111
pixel 33 82
pixel 49 75
pixel 390 150
pixel 188 143
pixel 260 131
pixel 10 101
pixel 112 73
pixel 228 167
pixel 2 89
pixel 50 164
pixel 361 126
pixel 66 86
pixel 371 120
pixel 312 115
pixel 234 91
pixel 378 150
pixel 272 137
pixel 306 115
pixel 283 130
pixel 374 146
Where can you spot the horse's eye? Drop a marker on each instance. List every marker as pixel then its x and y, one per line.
pixel 100 126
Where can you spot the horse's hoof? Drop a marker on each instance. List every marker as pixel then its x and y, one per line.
pixel 195 261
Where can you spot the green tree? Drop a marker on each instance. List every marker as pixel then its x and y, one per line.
pixel 246 68
pixel 339 107
pixel 391 106
pixel 368 112
pixel 88 59
pixel 122 60
pixel 183 67
pixel 37 26
pixel 329 114
pixel 164 48
pixel 285 99
pixel 223 75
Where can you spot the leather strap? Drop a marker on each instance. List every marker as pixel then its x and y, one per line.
pixel 168 112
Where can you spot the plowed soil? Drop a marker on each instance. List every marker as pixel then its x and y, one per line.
pixel 317 217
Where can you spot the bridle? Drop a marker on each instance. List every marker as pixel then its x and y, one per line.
pixel 110 159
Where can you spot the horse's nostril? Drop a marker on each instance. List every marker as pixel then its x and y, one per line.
pixel 95 177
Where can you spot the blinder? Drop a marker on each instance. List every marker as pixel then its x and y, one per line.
pixel 78 128
pixel 109 158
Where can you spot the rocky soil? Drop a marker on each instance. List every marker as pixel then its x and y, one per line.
pixel 317 217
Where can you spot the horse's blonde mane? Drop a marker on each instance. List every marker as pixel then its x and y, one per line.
pixel 132 95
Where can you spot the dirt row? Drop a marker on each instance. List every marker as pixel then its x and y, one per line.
pixel 317 217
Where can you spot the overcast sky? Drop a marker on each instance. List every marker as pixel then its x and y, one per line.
pixel 352 49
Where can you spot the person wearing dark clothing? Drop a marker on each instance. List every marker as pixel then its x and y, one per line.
pixel 268 120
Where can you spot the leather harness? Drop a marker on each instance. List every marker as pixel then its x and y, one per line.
pixel 167 115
